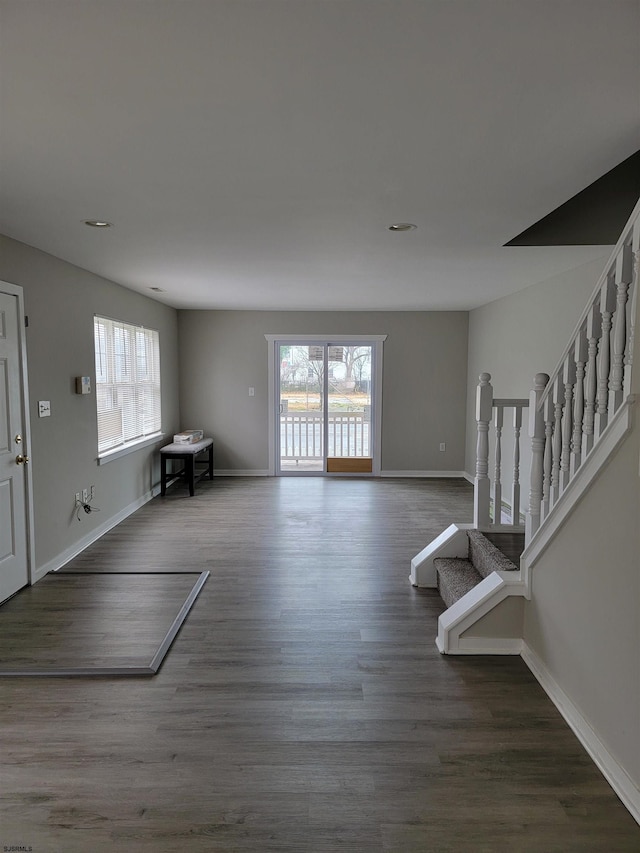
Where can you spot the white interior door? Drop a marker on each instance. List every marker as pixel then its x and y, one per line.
pixel 14 573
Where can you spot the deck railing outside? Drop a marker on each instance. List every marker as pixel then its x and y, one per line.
pixel 301 435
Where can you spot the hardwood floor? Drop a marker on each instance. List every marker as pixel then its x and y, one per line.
pixel 303 706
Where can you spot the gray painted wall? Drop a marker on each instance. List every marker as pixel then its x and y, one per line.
pixel 583 621
pixel 60 300
pixel 223 353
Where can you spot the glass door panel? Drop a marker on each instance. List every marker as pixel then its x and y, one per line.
pixel 349 408
pixel 301 403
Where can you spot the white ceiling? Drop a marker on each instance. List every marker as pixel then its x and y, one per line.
pixel 251 153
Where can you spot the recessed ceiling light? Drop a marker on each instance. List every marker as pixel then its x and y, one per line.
pixel 402 226
pixel 158 289
pixel 97 223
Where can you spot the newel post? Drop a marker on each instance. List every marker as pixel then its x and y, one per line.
pixel 537 436
pixel 482 484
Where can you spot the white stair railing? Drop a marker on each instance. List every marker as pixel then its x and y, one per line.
pixel 571 412
pixel 487 493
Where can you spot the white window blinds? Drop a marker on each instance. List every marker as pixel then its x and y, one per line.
pixel 127 383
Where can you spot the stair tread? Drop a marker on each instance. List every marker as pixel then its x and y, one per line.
pixel 455 577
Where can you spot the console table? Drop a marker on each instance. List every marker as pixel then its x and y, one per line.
pixel 187 454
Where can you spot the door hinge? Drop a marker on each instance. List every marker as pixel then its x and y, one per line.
pixel 26 320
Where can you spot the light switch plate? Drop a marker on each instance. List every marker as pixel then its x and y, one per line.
pixel 44 408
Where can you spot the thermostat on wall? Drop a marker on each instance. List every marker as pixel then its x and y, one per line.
pixel 83 384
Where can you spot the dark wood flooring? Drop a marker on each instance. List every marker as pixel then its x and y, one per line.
pixel 304 706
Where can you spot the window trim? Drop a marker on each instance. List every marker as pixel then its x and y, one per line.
pixel 132 445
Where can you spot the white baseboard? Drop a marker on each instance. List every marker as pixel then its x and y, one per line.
pixel 239 472
pixel 489 646
pixel 481 646
pixel 610 768
pixel 73 550
pixel 469 477
pixel 422 474
pixel 264 472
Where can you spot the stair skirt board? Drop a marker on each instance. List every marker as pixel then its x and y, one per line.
pixel 611 438
pixel 452 542
pixel 469 610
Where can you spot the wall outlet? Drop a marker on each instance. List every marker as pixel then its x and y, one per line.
pixel 92 492
pixel 443 446
pixel 77 497
pixel 85 496
pixel 252 392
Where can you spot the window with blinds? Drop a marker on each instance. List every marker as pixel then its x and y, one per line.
pixel 127 383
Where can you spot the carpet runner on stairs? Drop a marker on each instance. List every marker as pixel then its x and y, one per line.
pixel 456 576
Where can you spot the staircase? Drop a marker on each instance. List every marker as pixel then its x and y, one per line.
pixel 456 576
pixel 576 419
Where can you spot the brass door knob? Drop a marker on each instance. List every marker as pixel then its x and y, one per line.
pixel 21 460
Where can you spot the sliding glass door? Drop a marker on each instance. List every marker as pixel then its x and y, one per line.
pixel 325 397
pixel 301 401
pixel 349 409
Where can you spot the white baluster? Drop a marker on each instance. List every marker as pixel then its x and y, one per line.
pixel 497 479
pixel 536 433
pixel 624 276
pixel 515 491
pixel 632 324
pixel 558 405
pixel 594 330
pixel 548 455
pixel 607 306
pixel 482 485
pixel 293 435
pixel 568 380
pixel 580 356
